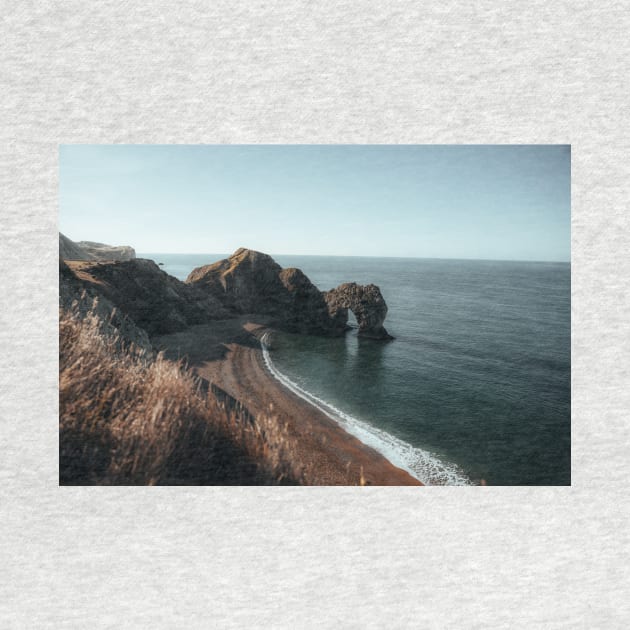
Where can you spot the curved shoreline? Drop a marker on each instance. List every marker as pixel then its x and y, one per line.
pixel 232 359
pixel 419 463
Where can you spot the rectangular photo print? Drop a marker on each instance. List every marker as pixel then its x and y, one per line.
pixel 315 315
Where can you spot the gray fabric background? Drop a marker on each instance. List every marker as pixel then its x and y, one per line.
pixel 300 72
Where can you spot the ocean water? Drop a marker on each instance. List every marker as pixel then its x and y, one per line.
pixel 476 387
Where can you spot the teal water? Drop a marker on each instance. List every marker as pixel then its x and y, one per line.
pixel 477 379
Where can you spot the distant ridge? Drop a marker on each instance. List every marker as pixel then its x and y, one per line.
pixel 89 250
pixel 69 250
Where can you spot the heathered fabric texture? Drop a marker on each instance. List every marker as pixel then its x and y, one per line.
pixel 314 72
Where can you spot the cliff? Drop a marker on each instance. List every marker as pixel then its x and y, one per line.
pixel 88 250
pixel 246 283
pixel 69 250
pixel 252 282
pixel 155 301
pixel 131 413
pixel 100 251
pixel 79 297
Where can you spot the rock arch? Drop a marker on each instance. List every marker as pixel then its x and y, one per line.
pixel 250 282
pixel 367 304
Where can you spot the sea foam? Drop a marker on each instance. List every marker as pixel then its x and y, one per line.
pixel 421 464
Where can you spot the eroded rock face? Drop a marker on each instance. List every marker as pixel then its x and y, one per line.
pixel 100 251
pixel 252 282
pixel 367 304
pixel 246 282
pixel 69 250
pixel 81 299
pixel 88 250
pixel 155 301
pixel 307 310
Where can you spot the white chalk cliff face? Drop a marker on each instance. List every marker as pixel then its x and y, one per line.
pixel 88 250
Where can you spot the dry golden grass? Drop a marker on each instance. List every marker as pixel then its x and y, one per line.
pixel 127 417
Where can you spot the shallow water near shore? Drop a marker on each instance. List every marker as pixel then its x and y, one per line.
pixel 476 385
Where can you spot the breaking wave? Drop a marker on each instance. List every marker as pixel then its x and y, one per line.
pixel 421 464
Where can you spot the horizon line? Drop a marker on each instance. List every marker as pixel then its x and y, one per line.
pixel 362 256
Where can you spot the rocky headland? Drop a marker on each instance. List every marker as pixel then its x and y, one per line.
pixel 252 282
pixel 214 320
pixel 89 250
pixel 154 300
pixel 246 283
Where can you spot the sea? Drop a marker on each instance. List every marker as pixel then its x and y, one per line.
pixel 476 386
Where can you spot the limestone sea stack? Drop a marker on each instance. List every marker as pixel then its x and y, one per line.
pixel 367 304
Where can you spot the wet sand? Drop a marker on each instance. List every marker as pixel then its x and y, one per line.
pixel 228 355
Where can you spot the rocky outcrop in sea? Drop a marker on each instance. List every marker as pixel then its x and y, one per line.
pixel 367 304
pixel 145 299
pixel 252 282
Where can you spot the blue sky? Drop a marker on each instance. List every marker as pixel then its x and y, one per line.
pixel 453 201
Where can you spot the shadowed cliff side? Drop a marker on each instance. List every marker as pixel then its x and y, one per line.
pixel 155 301
pixel 252 282
pixel 82 299
pixel 132 413
pixel 69 250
